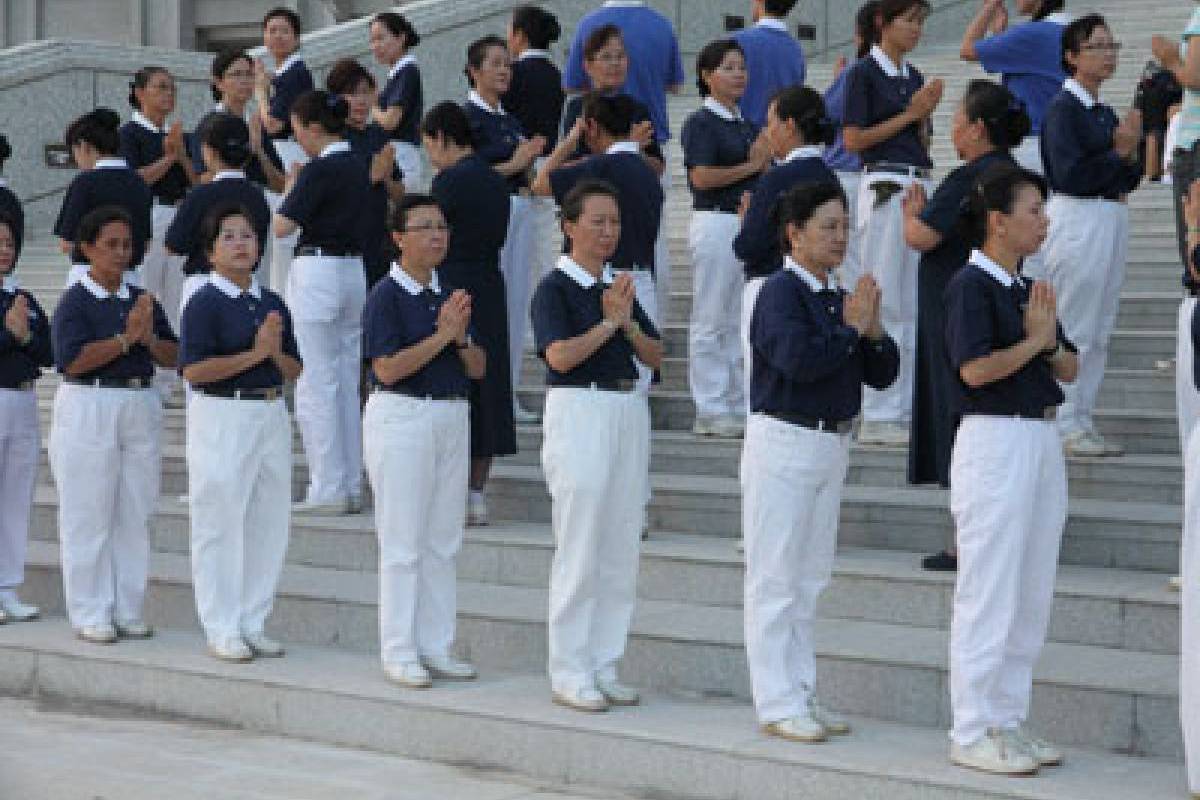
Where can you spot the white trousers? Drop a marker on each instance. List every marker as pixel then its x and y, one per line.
pixel 20 445
pixel 517 264
pixel 662 249
pixel 852 264
pixel 792 481
pixel 714 351
pixel 749 298
pixel 1008 497
pixel 1187 398
pixel 411 164
pixel 1084 257
pixel 596 457
pixel 1189 671
pixel 239 459
pixel 277 252
pixel 326 297
pixel 418 453
pixel 105 455
pixel 893 264
pixel 645 291
pixel 1029 154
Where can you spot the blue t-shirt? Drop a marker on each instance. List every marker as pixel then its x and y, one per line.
pixel 712 140
pixel 654 60
pixel 287 86
pixel 401 313
pixel 774 60
pixel 474 198
pixel 222 320
pixel 403 89
pixel 836 155
pixel 873 96
pixel 1077 150
pixel 1029 59
pixel 183 236
pixel 757 243
pixel 11 207
pixel 141 147
pixel 535 96
pixel 87 313
pixel 20 363
pixel 111 183
pixel 329 199
pixel 496 136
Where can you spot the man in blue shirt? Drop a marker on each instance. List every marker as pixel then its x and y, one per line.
pixel 655 66
pixel 774 60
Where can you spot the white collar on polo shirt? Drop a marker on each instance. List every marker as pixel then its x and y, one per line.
pixel 9 284
pixel 340 146
pixel 288 63
pixel 624 3
pixel 475 98
pixel 407 59
pixel 1059 17
pixel 830 285
pixel 721 111
pixel 772 22
pixel 1076 88
pixel 231 289
pixel 111 163
pixel 229 173
pixel 887 65
pixel 144 121
pixel 624 147
pixel 580 275
pixel 99 292
pixel 3 183
pixel 805 151
pixel 997 272
pixel 533 52
pixel 409 283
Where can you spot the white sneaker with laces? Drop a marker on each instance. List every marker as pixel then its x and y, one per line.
pixel 1082 443
pixel 587 698
pixel 133 629
pixel 1046 754
pixel 448 668
pixel 477 512
pixel 233 649
pixel 409 674
pixel 884 434
pixel 997 752
pixel 262 645
pixel 800 728
pixel 618 694
pixel 97 634
pixel 16 611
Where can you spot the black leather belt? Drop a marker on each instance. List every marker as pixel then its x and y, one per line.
pixel 898 169
pixel 814 423
pixel 19 387
pixel 265 395
pixel 622 385
pixel 1108 198
pixel 326 252
pixel 112 383
pixel 726 209
pixel 406 392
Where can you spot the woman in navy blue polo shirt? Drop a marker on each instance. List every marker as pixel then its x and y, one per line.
pixel 418 341
pixel 326 291
pixel 237 350
pixel 399 105
pixel 474 199
pixel 232 90
pixel 105 180
pixel 104 436
pixel 1008 483
pixel 9 203
pixel 589 329
pixel 276 92
pixel 499 138
pixel 886 122
pixel 814 347
pixel 724 155
pixel 24 351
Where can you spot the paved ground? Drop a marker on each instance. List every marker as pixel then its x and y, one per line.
pixel 57 753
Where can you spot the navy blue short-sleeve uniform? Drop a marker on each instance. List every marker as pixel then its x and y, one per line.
pixel 474 199
pixel 286 87
pixel 872 97
pixel 711 141
pixel 403 89
pixel 496 137
pixel 573 109
pixel 806 360
pixel 757 243
pixel 183 235
pixel 535 97
pixel 23 362
pixel 253 169
pixel 107 186
pixel 11 207
pixel 328 201
pixel 366 143
pixel 562 309
pixel 82 318
pixel 1077 150
pixel 214 325
pixel 141 147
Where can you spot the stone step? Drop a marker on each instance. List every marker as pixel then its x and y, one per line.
pixel 1106 607
pixel 1085 695
pixel 671 747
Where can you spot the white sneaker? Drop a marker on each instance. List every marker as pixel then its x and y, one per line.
pixel 523 417
pixel 13 609
pixel 884 434
pixel 409 674
pixel 618 694
pixel 1046 754
pixel 1175 583
pixel 997 752
pixel 477 513
pixel 801 728
pixel 232 649
pixel 262 645
pixel 448 668
pixel 133 629
pixel 97 634
pixel 1083 444
pixel 833 724
pixel 588 698
pixel 306 508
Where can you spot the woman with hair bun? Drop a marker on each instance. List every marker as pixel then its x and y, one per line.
pixel 10 205
pixel 401 102
pixel 326 291
pixel 988 123
pixel 275 91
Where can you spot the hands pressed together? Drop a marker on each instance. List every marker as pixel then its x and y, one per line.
pixel 862 308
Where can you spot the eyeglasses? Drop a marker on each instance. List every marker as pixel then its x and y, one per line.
pixel 430 227
pixel 1103 47
pixel 609 58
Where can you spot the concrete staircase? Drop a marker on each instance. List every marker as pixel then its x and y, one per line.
pixel 1106 686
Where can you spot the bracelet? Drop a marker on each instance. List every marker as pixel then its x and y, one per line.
pixel 633 330
pixel 123 340
pixel 609 325
pixel 465 345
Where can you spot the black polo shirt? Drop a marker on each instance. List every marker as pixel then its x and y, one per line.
pixel 330 198
pixel 142 145
pixel 403 89
pixel 111 183
pixel 474 198
pixel 876 91
pixel 713 137
pixel 535 95
pixel 183 236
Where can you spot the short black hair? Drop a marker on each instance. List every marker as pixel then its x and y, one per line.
pixel 890 10
pixel 805 106
pixel 1047 8
pixel 1076 33
pixel 221 64
pixel 345 76
pixel 280 12
pixel 398 222
pixel 572 205
pixel 1003 116
pixel 94 221
pixel 996 190
pixel 210 225
pixel 540 27
pixel 779 8
pixel 711 56
pixel 598 39
pixel 327 108
pixel 141 79
pixel 477 54
pixel 612 113
pixel 398 25
pixel 99 128
pixel 229 136
pixel 450 121
pixel 799 204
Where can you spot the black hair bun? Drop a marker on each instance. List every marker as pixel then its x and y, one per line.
pixel 5 148
pixel 106 118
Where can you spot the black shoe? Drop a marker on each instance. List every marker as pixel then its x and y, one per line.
pixel 944 561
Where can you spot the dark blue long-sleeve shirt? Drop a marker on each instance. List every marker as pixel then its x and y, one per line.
pixel 1077 147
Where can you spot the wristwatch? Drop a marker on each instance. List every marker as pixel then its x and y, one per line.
pixel 465 344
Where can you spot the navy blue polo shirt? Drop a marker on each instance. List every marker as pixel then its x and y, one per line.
pixel 474 198
pixel 87 313
pixel 111 183
pixel 222 320
pixel 640 198
pixel 366 142
pixel 254 171
pixel 574 108
pixel 400 313
pixel 806 359
pixel 535 95
pixel 757 243
pixel 403 89
pixel 985 312
pixel 11 207
pixel 774 61
pixel 183 236
pixel 22 363
pixel 712 137
pixel 1077 148
pixel 496 135
pixel 142 145
pixel 944 212
pixel 875 94
pixel 566 304
pixel 329 199
pixel 291 80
